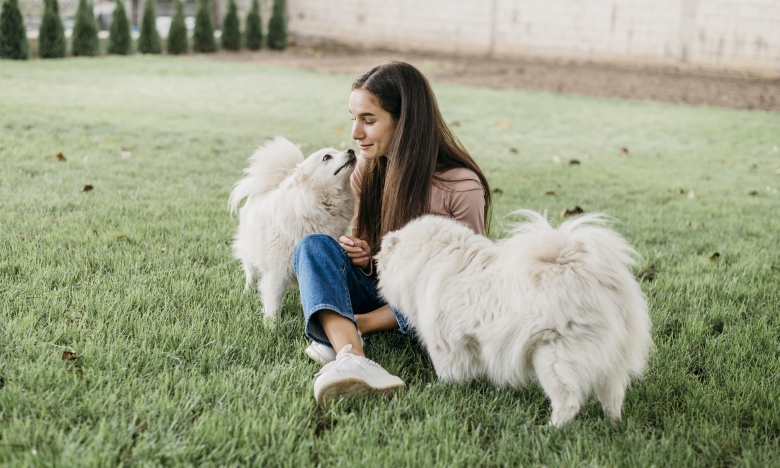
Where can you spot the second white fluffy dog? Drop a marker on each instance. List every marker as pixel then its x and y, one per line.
pixel 287 198
pixel 558 304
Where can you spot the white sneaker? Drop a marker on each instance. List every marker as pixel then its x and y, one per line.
pixel 324 354
pixel 320 353
pixel 351 374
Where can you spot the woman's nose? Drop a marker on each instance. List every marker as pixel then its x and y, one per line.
pixel 357 131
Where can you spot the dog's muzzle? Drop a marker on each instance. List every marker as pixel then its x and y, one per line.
pixel 351 159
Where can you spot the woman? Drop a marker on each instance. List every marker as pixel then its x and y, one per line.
pixel 410 164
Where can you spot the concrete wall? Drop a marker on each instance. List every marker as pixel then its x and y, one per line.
pixel 725 35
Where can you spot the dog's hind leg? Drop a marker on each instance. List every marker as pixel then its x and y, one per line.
pixel 272 289
pixel 559 381
pixel 611 392
pixel 251 277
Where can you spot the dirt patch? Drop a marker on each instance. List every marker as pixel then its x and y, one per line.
pixel 664 85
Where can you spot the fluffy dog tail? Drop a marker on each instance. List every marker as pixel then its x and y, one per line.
pixel 584 255
pixel 594 332
pixel 268 167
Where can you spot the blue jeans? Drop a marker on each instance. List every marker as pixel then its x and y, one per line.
pixel 328 280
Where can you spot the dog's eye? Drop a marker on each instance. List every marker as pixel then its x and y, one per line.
pixel 326 157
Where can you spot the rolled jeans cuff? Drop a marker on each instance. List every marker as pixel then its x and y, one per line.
pixel 400 319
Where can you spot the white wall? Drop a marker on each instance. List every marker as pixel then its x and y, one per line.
pixel 734 35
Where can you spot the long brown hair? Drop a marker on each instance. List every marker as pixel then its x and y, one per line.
pixel 396 189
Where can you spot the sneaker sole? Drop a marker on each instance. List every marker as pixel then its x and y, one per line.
pixel 352 387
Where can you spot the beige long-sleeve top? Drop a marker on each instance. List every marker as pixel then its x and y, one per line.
pixel 459 196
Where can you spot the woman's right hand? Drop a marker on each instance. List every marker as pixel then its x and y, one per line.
pixel 357 250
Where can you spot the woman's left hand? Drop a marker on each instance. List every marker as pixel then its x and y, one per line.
pixel 357 250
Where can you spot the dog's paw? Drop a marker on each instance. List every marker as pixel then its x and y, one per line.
pixel 269 321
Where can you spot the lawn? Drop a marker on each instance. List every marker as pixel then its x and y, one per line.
pixel 167 361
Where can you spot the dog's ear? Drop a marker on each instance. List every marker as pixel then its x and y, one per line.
pixel 298 178
pixel 389 241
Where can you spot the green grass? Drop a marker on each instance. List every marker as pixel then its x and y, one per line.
pixel 175 366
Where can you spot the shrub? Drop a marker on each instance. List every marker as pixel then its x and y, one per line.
pixel 277 27
pixel 13 35
pixel 177 35
pixel 51 34
pixel 149 39
pixel 203 36
pixel 85 31
pixel 231 32
pixel 254 28
pixel 119 40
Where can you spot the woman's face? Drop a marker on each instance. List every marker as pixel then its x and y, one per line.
pixel 373 127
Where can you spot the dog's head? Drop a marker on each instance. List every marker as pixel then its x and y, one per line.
pixel 410 257
pixel 328 167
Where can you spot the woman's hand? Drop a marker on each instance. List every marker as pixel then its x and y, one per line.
pixel 357 250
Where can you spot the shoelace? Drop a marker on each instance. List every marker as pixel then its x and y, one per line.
pixel 343 358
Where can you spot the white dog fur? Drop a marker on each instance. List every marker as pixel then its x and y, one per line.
pixel 558 304
pixel 287 198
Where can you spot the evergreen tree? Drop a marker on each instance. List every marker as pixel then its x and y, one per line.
pixel 119 40
pixel 254 28
pixel 85 40
pixel 203 36
pixel 13 34
pixel 231 32
pixel 149 40
pixel 277 27
pixel 51 34
pixel 177 35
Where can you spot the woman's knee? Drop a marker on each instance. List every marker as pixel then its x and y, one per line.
pixel 316 246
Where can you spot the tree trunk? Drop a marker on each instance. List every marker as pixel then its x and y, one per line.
pixel 134 12
pixel 215 14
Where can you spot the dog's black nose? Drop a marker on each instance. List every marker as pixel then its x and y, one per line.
pixel 351 151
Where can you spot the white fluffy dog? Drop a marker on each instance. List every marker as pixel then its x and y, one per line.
pixel 287 198
pixel 558 304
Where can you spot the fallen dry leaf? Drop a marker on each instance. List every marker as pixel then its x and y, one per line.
pixel 505 124
pixel 714 256
pixel 87 188
pixel 110 139
pixel 69 356
pixel 498 190
pixel 339 129
pixel 554 193
pixel 61 157
pixel 754 166
pixel 119 236
pixel 574 162
pixel 125 154
pixel 687 224
pixel 513 150
pixel 624 151
pixel 567 212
